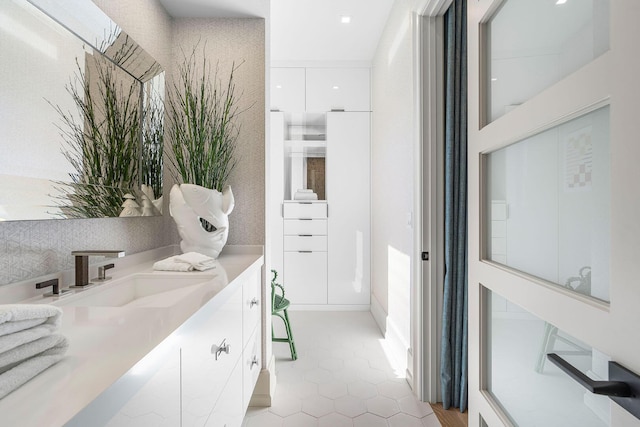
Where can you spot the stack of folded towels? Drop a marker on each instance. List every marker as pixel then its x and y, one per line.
pixel 28 344
pixel 189 261
pixel 305 194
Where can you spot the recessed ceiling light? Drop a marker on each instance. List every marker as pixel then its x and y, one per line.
pixel 278 86
pixel 494 79
pixel 345 19
pixel 336 87
pixel 561 2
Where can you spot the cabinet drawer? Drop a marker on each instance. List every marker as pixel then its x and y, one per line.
pixel 305 277
pixel 251 357
pixel 251 310
pixel 294 227
pixel 305 210
pixel 305 243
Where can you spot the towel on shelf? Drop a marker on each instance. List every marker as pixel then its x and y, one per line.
pixel 18 374
pixel 305 196
pixel 15 356
pixel 18 317
pixel 189 261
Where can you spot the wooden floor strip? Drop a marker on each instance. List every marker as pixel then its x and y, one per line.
pixel 451 417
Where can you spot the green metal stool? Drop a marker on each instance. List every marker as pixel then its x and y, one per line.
pixel 279 306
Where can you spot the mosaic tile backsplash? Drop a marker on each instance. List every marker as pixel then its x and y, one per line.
pixel 35 248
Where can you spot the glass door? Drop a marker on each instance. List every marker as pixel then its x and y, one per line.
pixel 554 226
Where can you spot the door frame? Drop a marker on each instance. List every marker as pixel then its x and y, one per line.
pixel 427 292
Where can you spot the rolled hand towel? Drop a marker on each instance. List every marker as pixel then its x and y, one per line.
pixel 15 356
pixel 189 261
pixel 197 260
pixel 18 317
pixel 22 372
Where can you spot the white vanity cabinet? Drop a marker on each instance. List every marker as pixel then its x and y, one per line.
pixel 330 89
pixel 202 374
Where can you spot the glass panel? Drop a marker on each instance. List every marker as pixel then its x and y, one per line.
pixel 540 43
pixel 530 389
pixel 548 202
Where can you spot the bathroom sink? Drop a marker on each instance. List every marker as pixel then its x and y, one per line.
pixel 139 290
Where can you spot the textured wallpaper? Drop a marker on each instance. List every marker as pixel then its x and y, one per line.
pixel 35 248
pixel 225 41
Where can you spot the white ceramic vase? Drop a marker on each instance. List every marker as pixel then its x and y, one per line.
pixel 188 203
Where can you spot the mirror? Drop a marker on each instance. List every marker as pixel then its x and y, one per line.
pixel 81 113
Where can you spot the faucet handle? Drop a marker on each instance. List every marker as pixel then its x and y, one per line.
pixel 56 291
pixel 101 272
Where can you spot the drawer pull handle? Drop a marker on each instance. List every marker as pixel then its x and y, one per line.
pixel 254 362
pixel 305 235
pixel 305 219
pixel 254 301
pixel 305 252
pixel 218 350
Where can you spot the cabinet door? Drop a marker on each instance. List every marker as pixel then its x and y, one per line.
pixel 205 371
pixel 287 89
pixel 275 193
pixel 252 306
pixel 251 358
pixel 147 395
pixel 338 89
pixel 305 277
pixel 229 411
pixel 348 194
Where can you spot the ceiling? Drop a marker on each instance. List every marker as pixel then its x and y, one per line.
pixel 303 30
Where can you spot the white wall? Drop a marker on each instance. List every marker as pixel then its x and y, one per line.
pixel 393 173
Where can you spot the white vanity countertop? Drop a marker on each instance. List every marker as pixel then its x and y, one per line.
pixel 105 342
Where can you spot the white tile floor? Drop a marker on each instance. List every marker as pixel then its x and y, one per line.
pixel 341 378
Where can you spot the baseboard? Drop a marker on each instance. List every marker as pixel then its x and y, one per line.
pixel 330 307
pixel 396 348
pixel 379 315
pixel 265 387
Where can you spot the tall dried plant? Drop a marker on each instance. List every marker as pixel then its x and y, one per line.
pixel 202 113
pixel 102 142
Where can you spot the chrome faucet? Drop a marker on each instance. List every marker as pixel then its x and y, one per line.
pixel 82 264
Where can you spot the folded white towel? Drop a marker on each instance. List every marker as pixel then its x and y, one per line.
pixel 170 264
pixel 189 261
pixel 18 317
pixel 22 372
pixel 197 260
pixel 304 190
pixel 11 341
pixel 305 196
pixel 15 356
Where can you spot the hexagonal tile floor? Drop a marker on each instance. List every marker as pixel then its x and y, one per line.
pixel 341 378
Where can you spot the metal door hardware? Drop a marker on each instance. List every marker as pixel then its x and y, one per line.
pixel 623 386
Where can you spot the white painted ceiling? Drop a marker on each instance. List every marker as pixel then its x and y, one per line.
pixel 310 30
pixel 303 30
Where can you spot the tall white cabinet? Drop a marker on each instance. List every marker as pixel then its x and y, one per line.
pixel 321 247
pixel 348 195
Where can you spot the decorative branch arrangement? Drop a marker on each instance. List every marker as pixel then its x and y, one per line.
pixel 202 112
pixel 103 141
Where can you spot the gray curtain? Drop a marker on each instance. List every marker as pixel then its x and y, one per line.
pixel 453 368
